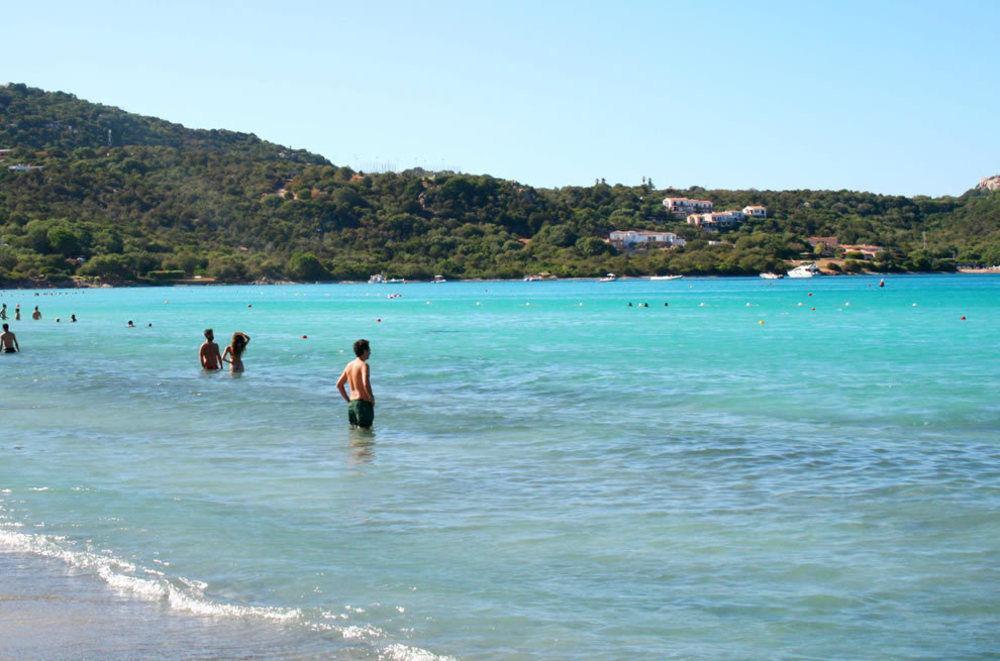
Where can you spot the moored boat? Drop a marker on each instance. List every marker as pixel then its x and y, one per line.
pixel 804 271
pixel 610 277
pixel 772 276
pixel 665 277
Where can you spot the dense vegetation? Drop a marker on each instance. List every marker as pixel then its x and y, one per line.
pixel 154 201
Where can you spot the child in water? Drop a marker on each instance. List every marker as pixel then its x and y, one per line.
pixel 235 351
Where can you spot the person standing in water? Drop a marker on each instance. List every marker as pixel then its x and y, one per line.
pixel 357 374
pixel 17 312
pixel 235 351
pixel 3 312
pixel 8 341
pixel 211 359
pixel 37 314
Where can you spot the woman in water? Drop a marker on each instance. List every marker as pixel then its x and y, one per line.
pixel 235 350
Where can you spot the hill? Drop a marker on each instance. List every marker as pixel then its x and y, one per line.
pixel 158 202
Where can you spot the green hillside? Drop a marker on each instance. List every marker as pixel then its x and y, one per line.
pixel 160 202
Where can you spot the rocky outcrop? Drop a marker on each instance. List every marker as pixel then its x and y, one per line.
pixel 990 183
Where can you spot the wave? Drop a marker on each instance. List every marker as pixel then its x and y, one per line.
pixel 187 596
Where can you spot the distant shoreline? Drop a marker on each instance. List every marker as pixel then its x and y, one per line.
pixel 209 282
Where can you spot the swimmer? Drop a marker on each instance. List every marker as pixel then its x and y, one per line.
pixel 3 312
pixel 235 351
pixel 17 312
pixel 72 319
pixel 37 314
pixel 357 375
pixel 130 324
pixel 208 354
pixel 666 305
pixel 8 341
pixel 881 283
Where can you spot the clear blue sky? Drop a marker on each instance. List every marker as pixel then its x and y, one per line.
pixel 891 97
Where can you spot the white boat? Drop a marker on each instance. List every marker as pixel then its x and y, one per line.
pixel 665 277
pixel 438 279
pixel 611 277
pixel 804 271
pixel 532 278
pixel 376 279
pixel 772 276
pixel 396 281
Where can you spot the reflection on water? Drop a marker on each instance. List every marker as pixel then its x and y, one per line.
pixel 362 443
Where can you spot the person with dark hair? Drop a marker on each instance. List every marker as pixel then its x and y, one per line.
pixel 8 341
pixel 357 374
pixel 209 355
pixel 235 351
pixel 36 314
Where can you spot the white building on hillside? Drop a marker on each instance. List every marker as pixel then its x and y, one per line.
pixel 632 239
pixel 755 211
pixel 683 206
pixel 716 220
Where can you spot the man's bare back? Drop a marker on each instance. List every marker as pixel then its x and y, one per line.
pixel 8 341
pixel 356 374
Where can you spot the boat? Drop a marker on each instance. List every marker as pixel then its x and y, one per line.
pixel 396 281
pixel 376 279
pixel 532 278
pixel 438 279
pixel 804 271
pixel 772 276
pixel 665 277
pixel 610 277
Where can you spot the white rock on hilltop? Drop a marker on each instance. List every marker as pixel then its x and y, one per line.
pixel 990 183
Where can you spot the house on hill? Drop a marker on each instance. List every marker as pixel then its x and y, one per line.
pixel 684 206
pixel 755 211
pixel 716 220
pixel 866 251
pixel 633 239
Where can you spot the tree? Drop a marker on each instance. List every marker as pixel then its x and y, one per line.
pixel 306 267
pixel 111 267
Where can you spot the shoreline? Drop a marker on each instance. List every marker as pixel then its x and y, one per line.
pixel 209 283
pixel 47 609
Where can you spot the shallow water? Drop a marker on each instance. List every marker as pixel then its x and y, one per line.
pixel 552 473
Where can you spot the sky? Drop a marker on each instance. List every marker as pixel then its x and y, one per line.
pixel 890 97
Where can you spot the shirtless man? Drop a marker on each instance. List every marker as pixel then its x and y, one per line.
pixel 3 312
pixel 8 341
pixel 211 359
pixel 357 374
pixel 37 314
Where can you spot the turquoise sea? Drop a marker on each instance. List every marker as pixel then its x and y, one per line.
pixel 800 468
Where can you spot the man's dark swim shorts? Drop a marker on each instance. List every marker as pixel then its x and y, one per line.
pixel 361 413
